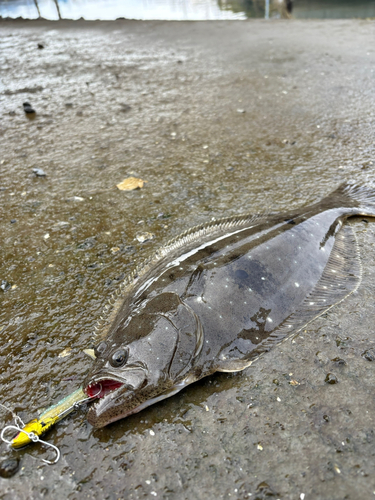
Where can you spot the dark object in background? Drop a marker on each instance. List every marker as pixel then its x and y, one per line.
pixel 39 172
pixel 289 6
pixel 28 109
pixel 9 467
pixel 331 378
pixel 40 46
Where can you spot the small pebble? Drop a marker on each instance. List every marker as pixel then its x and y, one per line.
pixel 40 46
pixel 9 467
pixel 39 172
pixel 13 221
pixel 28 109
pixel 5 285
pixel 240 111
pixel 369 355
pixel 142 238
pixel 331 378
pixel 339 361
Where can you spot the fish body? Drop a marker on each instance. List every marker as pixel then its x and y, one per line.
pixel 221 295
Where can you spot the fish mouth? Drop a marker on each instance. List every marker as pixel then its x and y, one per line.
pixel 101 388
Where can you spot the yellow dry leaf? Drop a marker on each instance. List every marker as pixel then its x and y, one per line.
pixel 130 183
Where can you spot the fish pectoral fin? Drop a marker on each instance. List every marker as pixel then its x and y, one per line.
pixel 90 353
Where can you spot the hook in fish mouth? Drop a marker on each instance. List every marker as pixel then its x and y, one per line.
pixel 102 388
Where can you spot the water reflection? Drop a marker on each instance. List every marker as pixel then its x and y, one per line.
pixel 186 9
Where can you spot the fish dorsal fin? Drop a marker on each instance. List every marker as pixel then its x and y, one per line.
pixel 341 277
pixel 198 233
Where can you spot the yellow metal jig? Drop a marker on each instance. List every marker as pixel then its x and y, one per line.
pixel 32 431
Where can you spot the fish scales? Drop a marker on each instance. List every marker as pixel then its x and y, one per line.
pixel 222 295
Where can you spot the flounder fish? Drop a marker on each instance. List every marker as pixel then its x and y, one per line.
pixel 221 295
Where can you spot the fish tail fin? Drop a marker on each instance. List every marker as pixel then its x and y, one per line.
pixel 361 199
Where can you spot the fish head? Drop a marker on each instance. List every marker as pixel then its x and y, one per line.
pixel 145 358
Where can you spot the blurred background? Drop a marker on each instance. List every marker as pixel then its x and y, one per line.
pixel 187 9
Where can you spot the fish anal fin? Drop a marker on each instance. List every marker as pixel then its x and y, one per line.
pixel 233 365
pixel 341 277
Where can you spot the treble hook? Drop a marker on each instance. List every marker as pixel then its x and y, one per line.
pixel 34 438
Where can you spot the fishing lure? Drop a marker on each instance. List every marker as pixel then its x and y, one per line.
pixel 31 432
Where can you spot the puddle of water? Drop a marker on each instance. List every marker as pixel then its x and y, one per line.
pixel 192 10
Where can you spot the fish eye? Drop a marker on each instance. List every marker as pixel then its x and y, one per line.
pixel 100 348
pixel 119 358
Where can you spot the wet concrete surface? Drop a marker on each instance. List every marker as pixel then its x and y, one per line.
pixel 220 118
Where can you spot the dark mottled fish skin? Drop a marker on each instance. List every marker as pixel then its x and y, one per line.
pixel 220 296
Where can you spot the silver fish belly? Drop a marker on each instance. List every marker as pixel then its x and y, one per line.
pixel 219 296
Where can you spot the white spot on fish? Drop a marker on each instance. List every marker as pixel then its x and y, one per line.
pixel 297 285
pixel 312 303
pixel 166 328
pixel 199 299
pixel 152 433
pixel 250 290
pixel 269 320
pixel 263 278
